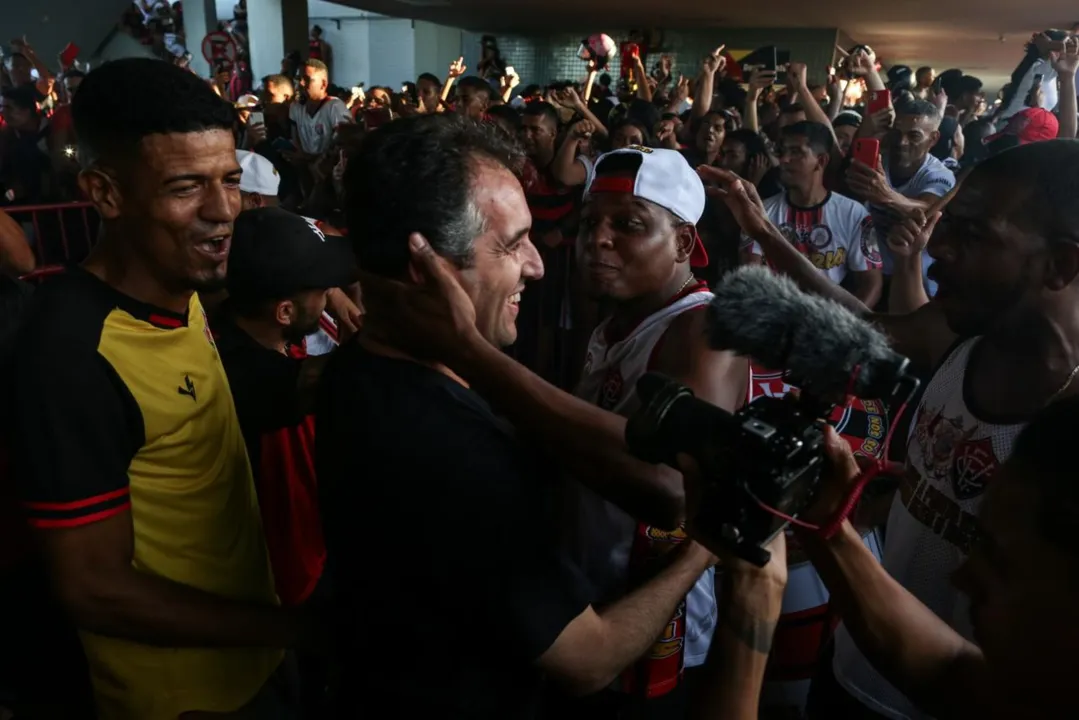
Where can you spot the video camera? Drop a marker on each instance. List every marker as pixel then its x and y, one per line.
pixel 761 465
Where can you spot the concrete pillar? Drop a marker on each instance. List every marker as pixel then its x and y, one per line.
pixel 275 28
pixel 200 18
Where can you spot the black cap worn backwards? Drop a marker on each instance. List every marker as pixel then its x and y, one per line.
pixel 276 254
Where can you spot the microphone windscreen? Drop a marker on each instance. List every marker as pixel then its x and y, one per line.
pixel 764 316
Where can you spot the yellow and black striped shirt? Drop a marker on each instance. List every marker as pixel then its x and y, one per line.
pixel 123 407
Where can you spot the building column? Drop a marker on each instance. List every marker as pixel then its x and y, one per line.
pixel 274 29
pixel 200 18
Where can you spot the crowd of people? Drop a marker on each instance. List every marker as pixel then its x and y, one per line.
pixel 444 296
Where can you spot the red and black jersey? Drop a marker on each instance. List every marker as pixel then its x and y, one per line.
pixel 280 441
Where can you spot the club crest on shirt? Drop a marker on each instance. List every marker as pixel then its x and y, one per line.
pixel 870 246
pixel 819 237
pixel 951 455
pixel 611 392
pixel 975 463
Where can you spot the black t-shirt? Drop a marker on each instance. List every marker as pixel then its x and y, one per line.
pixel 447 576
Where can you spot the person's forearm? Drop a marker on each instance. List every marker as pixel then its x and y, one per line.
pixel 867 286
pixel 815 113
pixel 565 167
pixel 634 622
pixel 644 90
pixel 748 615
pixel 154 611
pixel 1068 117
pixel 589 83
pixel 16 257
pixel 589 442
pixel 903 639
pixel 873 81
pixel 751 120
pixel 907 292
pixel 785 258
pixel 702 97
pixel 598 128
pixel 835 106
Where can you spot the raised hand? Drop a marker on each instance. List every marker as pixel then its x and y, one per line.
pixel 1067 61
pixel 863 62
pixel 457 68
pixel 583 129
pixel 759 79
pixel 714 61
pixel 908 237
pixel 796 75
pixel 740 196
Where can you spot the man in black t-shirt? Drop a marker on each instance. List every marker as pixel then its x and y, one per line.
pixel 453 596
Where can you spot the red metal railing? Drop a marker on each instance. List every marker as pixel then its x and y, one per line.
pixel 59 233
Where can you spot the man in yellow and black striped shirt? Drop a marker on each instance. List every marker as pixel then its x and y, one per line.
pixel 128 456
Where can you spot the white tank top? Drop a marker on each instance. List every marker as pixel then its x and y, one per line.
pixel 951 455
pixel 605 533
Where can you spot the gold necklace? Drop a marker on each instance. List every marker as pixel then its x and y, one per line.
pixel 690 279
pixel 1062 388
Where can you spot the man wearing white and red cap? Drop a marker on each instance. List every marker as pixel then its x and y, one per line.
pixel 637 249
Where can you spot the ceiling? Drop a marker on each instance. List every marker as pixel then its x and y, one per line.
pixel 983 37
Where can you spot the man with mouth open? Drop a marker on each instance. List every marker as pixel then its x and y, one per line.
pixel 637 248
pixel 439 515
pixel 128 455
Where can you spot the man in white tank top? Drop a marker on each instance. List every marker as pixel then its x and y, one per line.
pixel 1007 261
pixel 637 247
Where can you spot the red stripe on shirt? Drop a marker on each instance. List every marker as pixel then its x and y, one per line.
pixel 76 504
pixel 79 521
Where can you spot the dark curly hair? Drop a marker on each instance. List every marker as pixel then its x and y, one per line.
pixel 415 175
pixel 110 119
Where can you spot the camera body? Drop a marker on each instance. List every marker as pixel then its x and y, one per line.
pixel 768 454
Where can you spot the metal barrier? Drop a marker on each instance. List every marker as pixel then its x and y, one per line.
pixel 60 233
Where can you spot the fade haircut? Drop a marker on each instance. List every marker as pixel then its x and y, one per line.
pixel 920 108
pixel 279 81
pixel 110 120
pixel 317 65
pixel 416 175
pixel 478 84
pixel 433 79
pixel 818 136
pixel 542 109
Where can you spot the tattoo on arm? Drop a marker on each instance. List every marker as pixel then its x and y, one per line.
pixel 755 633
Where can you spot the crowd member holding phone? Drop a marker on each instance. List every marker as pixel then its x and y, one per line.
pixel 905 179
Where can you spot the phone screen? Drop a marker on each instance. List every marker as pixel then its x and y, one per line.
pixel 510 70
pixel 256 118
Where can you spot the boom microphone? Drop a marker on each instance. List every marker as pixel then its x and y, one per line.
pixel 827 351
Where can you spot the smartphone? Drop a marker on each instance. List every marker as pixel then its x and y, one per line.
pixel 879 100
pixel 866 150
pixel 510 72
pixel 256 118
pixel 937 85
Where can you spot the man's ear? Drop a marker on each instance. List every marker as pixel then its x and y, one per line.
pixel 101 188
pixel 822 161
pixel 685 241
pixel 935 135
pixel 1063 265
pixel 285 313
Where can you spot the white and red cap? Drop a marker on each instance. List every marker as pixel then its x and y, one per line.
pixel 259 175
pixel 664 178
